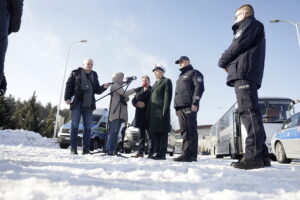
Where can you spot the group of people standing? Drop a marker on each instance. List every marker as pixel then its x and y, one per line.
pixel 152 105
pixel 244 63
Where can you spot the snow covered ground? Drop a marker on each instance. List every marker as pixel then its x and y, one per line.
pixel 32 167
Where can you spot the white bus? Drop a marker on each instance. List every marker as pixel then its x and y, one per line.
pixel 229 133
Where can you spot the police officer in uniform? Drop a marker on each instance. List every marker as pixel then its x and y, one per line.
pixel 244 63
pixel 10 21
pixel 189 90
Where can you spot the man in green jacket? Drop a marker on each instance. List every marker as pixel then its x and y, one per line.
pixel 159 112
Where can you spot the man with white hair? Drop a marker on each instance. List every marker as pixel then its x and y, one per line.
pixel 158 112
pixel 81 88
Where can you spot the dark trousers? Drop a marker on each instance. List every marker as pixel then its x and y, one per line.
pixel 142 141
pixel 188 128
pixel 150 143
pixel 3 47
pixel 248 108
pixel 160 141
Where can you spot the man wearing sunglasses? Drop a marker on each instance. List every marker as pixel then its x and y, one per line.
pixel 244 63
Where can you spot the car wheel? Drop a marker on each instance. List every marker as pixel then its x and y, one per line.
pixel 172 153
pixel 280 153
pixel 64 146
pixel 94 144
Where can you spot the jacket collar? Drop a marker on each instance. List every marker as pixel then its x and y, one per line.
pixel 185 69
pixel 157 83
pixel 242 23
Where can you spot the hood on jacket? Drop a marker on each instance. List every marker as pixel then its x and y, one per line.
pixel 118 77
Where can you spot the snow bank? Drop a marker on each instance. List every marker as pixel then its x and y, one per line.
pixel 28 170
pixel 25 138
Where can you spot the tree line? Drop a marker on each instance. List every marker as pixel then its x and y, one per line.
pixel 29 115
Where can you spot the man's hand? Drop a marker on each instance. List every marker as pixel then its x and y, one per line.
pixel 106 85
pixel 68 102
pixel 194 108
pixel 140 104
pixel 1 92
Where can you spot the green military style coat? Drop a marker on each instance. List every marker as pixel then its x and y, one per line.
pixel 158 111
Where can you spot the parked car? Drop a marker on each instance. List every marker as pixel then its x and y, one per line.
pixel 98 131
pixel 175 140
pixel 132 138
pixel 286 141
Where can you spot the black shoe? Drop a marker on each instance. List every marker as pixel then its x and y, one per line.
pixel 248 164
pixel 150 156
pixel 185 159
pixel 158 157
pixel 74 152
pixel 181 158
pixel 138 155
pixel 267 162
pixel 84 152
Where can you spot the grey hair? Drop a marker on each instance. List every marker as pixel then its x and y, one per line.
pixel 147 77
pixel 87 60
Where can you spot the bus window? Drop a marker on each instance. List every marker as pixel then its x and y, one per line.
pixel 275 110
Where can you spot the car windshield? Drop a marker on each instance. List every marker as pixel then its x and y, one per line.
pixel 275 111
pixel 96 119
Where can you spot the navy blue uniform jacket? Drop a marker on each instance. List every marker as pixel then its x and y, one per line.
pixel 245 57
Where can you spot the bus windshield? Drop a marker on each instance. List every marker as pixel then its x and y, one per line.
pixel 275 110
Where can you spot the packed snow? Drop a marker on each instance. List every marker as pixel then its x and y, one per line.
pixel 33 167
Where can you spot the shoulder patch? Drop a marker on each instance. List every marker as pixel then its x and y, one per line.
pixel 199 79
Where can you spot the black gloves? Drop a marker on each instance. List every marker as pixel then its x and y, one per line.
pixel 2 92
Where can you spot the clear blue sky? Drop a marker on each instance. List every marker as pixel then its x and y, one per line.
pixel 132 35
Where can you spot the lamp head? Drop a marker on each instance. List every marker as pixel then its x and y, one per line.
pixel 274 20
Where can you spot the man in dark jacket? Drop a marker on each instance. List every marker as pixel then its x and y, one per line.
pixel 10 21
pixel 244 63
pixel 189 90
pixel 158 112
pixel 81 88
pixel 3 86
pixel 140 102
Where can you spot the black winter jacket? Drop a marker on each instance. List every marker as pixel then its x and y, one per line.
pixel 3 84
pixel 140 120
pixel 10 16
pixel 73 88
pixel 245 57
pixel 189 88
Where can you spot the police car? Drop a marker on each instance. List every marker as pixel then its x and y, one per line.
pixel 286 142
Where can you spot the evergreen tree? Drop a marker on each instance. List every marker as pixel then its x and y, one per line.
pixel 29 115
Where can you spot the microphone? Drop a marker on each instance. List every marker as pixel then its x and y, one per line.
pixel 130 78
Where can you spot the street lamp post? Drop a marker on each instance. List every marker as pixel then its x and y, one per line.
pixel 296 24
pixel 62 86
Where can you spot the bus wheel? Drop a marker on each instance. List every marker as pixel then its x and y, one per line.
pixel 280 153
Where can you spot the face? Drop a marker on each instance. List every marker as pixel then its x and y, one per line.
pixel 158 74
pixel 184 63
pixel 88 66
pixel 239 16
pixel 145 82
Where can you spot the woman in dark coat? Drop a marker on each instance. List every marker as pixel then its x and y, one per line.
pixel 159 112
